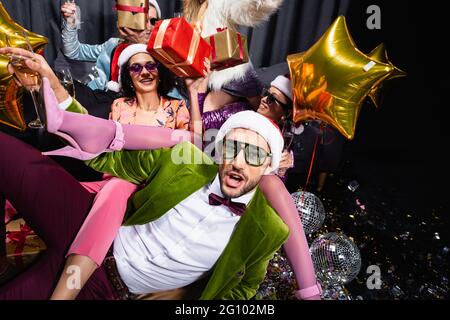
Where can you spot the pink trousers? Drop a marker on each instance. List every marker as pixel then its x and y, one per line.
pixel 105 217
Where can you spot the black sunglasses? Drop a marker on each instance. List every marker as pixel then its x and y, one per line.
pixel 153 21
pixel 254 155
pixel 137 68
pixel 272 99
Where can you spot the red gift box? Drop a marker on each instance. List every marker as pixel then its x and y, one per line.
pixel 177 46
pixel 10 212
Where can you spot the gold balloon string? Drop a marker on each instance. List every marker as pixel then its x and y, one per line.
pixel 313 156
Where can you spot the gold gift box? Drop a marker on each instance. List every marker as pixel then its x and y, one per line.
pixel 21 255
pixel 133 20
pixel 229 49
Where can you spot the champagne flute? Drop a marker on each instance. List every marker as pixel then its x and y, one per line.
pixel 288 134
pixel 29 79
pixel 65 78
pixel 77 15
pixel 288 137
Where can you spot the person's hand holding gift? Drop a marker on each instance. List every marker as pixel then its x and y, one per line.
pixel 200 84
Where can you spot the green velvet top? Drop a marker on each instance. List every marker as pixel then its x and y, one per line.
pixel 258 235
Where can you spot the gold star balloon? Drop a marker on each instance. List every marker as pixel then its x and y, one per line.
pixel 380 54
pixel 11 110
pixel 332 78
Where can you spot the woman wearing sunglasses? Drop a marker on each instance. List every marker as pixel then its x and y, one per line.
pixel 144 85
pixel 93 93
pixel 101 54
pixel 276 103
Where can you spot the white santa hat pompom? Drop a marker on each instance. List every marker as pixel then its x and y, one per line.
pixel 260 124
pixel 113 86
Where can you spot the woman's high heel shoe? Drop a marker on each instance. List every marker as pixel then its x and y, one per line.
pixel 53 120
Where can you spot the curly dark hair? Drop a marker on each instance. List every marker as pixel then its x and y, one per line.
pixel 166 81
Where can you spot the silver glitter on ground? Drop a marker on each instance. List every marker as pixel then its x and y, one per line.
pixel 410 247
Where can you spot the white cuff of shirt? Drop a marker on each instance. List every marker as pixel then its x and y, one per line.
pixel 66 103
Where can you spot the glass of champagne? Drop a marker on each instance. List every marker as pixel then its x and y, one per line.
pixel 288 134
pixel 29 79
pixel 77 14
pixel 66 79
pixel 288 137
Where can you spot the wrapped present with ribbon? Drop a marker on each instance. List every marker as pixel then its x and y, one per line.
pixel 132 13
pixel 22 244
pixel 228 49
pixel 176 44
pixel 10 212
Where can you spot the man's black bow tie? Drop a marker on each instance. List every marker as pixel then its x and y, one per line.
pixel 235 207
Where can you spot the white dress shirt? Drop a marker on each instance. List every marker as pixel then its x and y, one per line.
pixel 178 248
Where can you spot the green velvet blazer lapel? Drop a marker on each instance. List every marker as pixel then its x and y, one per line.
pixel 252 239
pixel 169 184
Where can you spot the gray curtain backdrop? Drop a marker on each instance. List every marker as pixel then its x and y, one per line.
pixel 293 29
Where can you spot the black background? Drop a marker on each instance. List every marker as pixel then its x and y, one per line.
pixel 403 144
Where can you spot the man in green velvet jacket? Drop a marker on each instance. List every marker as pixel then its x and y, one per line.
pixel 259 231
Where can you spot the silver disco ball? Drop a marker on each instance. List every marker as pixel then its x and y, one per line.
pixel 336 259
pixel 311 211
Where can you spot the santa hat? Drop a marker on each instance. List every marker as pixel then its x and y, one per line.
pixel 126 53
pixel 283 84
pixel 260 124
pixel 156 5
